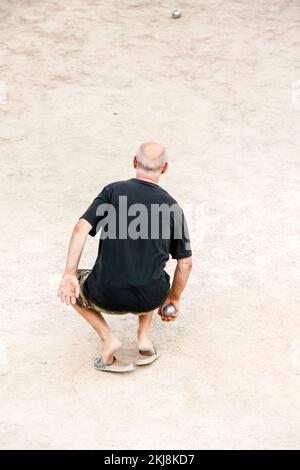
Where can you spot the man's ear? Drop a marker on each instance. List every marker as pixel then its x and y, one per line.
pixel 134 162
pixel 165 167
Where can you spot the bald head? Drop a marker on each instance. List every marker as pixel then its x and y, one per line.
pixel 151 156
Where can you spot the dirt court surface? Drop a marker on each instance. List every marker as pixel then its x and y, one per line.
pixel 82 84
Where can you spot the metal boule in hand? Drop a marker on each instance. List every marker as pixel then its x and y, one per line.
pixel 168 310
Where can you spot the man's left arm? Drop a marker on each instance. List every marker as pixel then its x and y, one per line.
pixel 68 290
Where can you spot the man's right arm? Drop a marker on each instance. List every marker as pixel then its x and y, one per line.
pixel 181 275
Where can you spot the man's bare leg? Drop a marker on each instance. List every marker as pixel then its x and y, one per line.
pixel 144 333
pixel 111 343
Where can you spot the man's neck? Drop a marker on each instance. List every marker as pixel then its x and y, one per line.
pixel 151 178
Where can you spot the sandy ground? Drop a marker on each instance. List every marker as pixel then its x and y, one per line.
pixel 82 84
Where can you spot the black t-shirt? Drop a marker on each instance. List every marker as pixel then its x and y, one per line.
pixel 128 274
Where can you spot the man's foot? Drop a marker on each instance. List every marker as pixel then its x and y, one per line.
pixel 145 345
pixel 116 366
pixel 110 346
pixel 145 357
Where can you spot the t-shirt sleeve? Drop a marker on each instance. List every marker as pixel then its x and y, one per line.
pixel 180 244
pixel 93 215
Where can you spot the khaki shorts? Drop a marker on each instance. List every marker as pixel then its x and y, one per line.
pixel 85 302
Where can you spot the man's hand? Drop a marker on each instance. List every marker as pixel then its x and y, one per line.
pixel 181 275
pixel 69 290
pixel 175 304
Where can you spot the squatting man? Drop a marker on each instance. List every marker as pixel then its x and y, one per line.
pixel 140 226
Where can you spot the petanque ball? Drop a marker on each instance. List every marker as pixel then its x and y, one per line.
pixel 176 14
pixel 168 310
